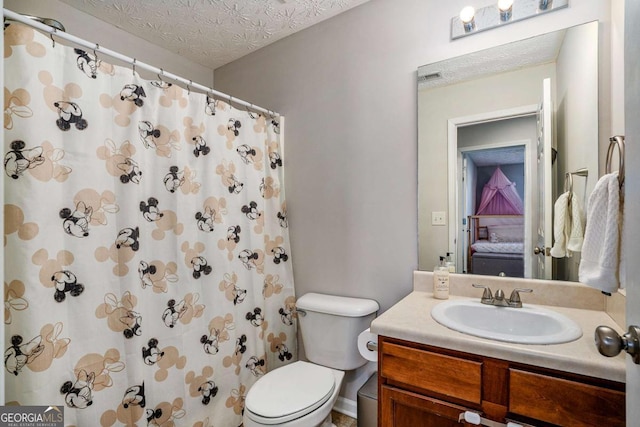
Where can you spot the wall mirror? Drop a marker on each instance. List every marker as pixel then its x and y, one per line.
pixel 509 122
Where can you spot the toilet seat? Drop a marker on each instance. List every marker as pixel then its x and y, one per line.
pixel 308 387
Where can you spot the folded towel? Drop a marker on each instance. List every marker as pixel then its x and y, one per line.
pixel 599 265
pixel 568 226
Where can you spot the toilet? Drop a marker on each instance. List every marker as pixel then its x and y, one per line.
pixel 302 394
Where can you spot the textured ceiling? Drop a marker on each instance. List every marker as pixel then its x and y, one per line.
pixel 213 32
pixel 512 56
pixel 497 156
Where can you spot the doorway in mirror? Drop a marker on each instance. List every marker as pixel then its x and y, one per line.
pixel 493 157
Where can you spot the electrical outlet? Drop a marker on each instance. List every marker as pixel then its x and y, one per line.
pixel 438 218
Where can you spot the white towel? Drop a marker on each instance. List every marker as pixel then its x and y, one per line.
pixel 568 226
pixel 599 266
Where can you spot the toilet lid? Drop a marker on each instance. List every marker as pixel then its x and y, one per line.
pixel 289 392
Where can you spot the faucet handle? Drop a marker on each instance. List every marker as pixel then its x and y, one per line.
pixel 486 295
pixel 514 299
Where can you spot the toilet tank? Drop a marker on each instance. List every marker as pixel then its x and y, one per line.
pixel 331 326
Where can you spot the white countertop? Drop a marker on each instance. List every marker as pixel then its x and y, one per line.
pixel 410 319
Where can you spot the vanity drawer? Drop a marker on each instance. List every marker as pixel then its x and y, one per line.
pixel 441 374
pixel 564 402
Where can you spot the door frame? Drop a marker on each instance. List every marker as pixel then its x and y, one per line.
pixel 453 159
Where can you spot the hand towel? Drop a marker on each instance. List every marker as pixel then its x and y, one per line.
pixel 568 226
pixel 599 265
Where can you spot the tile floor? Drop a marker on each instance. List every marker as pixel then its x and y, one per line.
pixel 341 420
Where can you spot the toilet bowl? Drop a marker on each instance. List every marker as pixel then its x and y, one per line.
pixel 302 394
pixel 298 395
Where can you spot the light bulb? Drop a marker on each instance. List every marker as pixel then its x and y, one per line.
pixel 505 7
pixel 467 14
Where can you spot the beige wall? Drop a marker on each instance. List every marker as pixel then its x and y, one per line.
pixel 94 30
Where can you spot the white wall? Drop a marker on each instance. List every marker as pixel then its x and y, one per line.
pixel 94 30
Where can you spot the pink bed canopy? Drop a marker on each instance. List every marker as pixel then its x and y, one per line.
pixel 499 197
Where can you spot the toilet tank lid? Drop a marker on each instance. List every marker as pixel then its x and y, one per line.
pixel 337 305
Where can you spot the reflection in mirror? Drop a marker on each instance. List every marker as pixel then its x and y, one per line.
pixel 502 127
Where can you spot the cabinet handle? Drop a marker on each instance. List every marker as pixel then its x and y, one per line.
pixel 475 419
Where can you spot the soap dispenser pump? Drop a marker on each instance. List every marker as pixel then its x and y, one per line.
pixel 451 265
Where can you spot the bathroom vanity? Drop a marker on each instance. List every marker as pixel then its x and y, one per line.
pixel 429 374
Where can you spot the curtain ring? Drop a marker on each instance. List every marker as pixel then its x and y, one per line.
pixel 230 101
pixel 189 87
pixel 133 67
pixel 160 75
pixel 94 51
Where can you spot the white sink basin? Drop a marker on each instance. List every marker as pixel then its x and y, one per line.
pixel 526 325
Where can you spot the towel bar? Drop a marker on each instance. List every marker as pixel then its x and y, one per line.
pixel 616 141
pixel 568 178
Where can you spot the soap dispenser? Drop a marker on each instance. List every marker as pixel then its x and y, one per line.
pixel 450 264
pixel 441 280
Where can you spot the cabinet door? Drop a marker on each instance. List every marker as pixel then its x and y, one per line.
pixel 433 373
pixel 406 409
pixel 564 402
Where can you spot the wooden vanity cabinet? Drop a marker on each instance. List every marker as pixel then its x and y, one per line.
pixel 421 385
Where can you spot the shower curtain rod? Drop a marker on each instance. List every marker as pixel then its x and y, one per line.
pixel 132 61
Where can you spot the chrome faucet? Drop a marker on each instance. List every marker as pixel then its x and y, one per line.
pixel 499 300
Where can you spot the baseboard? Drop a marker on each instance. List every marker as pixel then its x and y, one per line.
pixel 347 407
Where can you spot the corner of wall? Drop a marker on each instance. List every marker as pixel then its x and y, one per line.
pixel 615 307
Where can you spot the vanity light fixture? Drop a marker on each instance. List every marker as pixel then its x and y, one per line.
pixel 502 12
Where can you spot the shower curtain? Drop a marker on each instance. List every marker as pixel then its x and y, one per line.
pixel 148 275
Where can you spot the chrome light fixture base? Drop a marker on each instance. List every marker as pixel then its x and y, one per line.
pixel 490 17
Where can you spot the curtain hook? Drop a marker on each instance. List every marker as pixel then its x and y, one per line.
pixel 160 75
pixel 249 109
pixel 94 51
pixel 133 68
pixel 230 101
pixel 53 42
pixel 189 87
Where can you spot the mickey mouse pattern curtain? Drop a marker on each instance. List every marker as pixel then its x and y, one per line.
pixel 147 270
